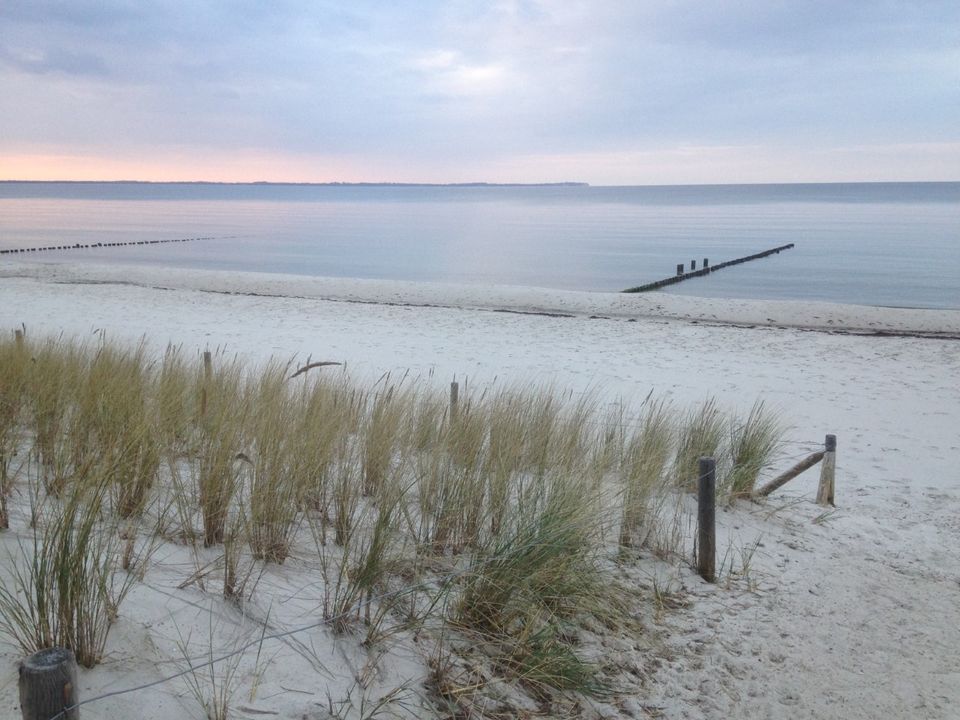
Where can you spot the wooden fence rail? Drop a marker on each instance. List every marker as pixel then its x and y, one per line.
pixel 825 491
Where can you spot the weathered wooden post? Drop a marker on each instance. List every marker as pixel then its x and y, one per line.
pixel 706 262
pixel 827 471
pixel 706 519
pixel 18 338
pixel 454 399
pixel 207 373
pixel 48 685
pixel 679 269
pixel 693 264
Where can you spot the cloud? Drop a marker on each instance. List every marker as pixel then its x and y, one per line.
pixel 472 86
pixel 445 73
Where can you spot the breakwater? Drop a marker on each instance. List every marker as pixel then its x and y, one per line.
pixel 88 246
pixel 705 269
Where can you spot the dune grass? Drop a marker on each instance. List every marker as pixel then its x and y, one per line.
pixel 216 457
pixel 13 385
pixel 643 470
pixel 530 583
pixel 702 433
pixel 499 523
pixel 67 585
pixel 54 379
pixel 755 442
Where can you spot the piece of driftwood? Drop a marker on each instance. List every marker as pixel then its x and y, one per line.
pixel 311 365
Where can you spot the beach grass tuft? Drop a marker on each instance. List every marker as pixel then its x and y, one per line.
pixel 755 442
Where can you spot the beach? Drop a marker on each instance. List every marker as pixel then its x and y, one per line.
pixel 852 612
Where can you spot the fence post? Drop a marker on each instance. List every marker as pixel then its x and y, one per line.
pixel 827 471
pixel 706 519
pixel 454 399
pixel 207 373
pixel 48 685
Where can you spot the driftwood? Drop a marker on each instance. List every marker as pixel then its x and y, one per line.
pixel 310 366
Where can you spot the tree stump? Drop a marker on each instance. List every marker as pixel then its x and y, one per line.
pixel 48 685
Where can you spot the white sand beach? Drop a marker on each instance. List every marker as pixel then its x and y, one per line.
pixel 853 613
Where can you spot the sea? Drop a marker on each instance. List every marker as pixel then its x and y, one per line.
pixel 884 244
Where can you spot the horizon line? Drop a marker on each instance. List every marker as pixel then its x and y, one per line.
pixel 478 183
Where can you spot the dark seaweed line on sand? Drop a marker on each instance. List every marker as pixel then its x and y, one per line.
pixel 860 332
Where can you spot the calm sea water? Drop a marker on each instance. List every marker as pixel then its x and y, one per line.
pixel 877 244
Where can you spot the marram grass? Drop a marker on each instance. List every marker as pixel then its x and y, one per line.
pixel 499 523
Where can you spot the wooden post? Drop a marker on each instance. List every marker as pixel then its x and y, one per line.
pixel 693 264
pixel 679 269
pixel 706 519
pixel 18 338
pixel 706 262
pixel 48 685
pixel 454 399
pixel 827 471
pixel 207 372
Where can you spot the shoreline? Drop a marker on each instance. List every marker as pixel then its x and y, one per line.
pixel 834 318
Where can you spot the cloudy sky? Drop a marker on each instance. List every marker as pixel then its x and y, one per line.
pixel 603 91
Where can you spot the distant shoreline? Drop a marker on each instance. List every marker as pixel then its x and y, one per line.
pixel 565 183
pixel 260 183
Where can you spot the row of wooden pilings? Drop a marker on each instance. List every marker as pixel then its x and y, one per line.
pixel 705 269
pixel 87 246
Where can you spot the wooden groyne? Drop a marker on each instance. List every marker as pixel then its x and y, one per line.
pixel 705 269
pixel 88 246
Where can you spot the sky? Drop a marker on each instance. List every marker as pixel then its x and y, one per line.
pixel 614 92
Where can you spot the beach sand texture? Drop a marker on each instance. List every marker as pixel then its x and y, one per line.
pixel 854 614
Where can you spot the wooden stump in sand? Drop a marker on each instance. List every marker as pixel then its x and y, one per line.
pixel 48 685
